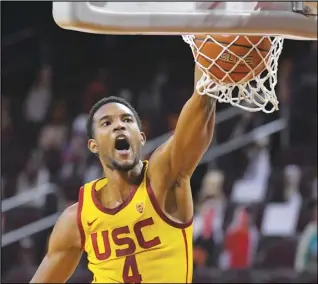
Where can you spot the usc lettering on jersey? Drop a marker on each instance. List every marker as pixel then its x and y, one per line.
pixel 135 242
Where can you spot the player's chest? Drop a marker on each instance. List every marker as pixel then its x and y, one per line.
pixel 109 238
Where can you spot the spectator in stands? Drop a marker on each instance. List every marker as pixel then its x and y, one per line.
pixel 38 101
pixel 76 161
pixel 53 134
pixel 306 256
pixel 292 175
pixel 13 149
pixel 252 187
pixel 75 151
pixel 200 260
pixel 24 269
pixel 208 220
pixel 240 241
pixel 149 102
pixel 53 137
pixel 33 176
pixel 287 210
pixel 126 94
pixel 97 89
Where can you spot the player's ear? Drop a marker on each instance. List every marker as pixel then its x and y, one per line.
pixel 92 146
pixel 143 138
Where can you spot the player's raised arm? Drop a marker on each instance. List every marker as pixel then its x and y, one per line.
pixel 64 250
pixel 180 155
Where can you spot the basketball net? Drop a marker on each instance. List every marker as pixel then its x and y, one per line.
pixel 257 94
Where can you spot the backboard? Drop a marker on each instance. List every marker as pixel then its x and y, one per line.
pixel 295 20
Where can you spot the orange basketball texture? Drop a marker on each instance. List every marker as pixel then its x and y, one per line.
pixel 240 47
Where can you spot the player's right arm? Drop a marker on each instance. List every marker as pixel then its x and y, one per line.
pixel 64 250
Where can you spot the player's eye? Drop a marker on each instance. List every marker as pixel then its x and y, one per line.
pixel 127 119
pixel 106 123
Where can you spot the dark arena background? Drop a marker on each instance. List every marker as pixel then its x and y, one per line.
pixel 262 192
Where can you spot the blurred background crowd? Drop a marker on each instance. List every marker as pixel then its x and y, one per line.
pixel 255 199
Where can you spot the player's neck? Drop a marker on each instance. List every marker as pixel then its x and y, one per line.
pixel 121 177
pixel 120 183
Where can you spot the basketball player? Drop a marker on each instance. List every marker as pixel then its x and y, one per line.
pixel 136 224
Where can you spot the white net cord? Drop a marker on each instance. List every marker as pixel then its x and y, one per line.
pixel 255 94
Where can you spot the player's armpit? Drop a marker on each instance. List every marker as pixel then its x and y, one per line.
pixel 64 250
pixel 180 155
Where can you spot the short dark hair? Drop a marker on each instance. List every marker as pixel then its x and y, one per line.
pixel 104 101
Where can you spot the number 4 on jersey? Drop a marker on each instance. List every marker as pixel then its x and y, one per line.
pixel 130 271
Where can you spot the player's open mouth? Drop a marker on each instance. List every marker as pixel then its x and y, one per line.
pixel 122 145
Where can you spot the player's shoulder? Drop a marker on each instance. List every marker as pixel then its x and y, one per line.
pixel 88 185
pixel 69 214
pixel 65 232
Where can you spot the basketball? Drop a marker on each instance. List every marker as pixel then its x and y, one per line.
pixel 241 47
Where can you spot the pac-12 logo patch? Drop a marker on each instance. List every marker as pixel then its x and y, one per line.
pixel 140 207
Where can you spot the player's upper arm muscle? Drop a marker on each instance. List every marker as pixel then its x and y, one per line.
pixel 64 250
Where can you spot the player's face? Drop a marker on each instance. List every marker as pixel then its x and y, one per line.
pixel 117 137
